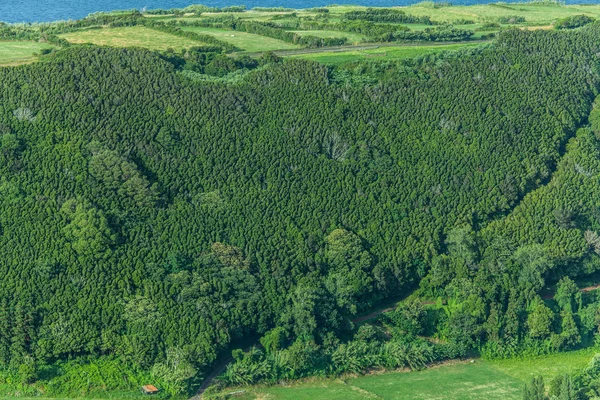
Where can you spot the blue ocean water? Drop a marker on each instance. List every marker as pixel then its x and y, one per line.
pixel 52 10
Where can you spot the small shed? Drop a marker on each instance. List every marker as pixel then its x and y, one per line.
pixel 149 389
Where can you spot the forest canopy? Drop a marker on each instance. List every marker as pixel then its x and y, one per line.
pixel 153 216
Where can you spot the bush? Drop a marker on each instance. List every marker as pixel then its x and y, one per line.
pixel 573 22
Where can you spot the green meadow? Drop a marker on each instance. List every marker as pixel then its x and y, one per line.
pixel 245 41
pixel 472 379
pixel 352 37
pixel 535 14
pixel 20 52
pixel 135 36
pixel 381 53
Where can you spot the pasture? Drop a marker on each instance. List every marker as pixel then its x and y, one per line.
pixel 535 14
pixel 134 36
pixel 246 41
pixel 477 380
pixel 352 37
pixel 381 53
pixel 20 52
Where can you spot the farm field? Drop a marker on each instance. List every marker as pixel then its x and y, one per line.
pixel 245 41
pixel 382 53
pixel 20 52
pixel 536 17
pixel 135 36
pixel 534 14
pixel 503 379
pixel 352 37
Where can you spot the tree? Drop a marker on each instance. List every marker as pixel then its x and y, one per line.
pixel 175 371
pixel 464 329
pixel 533 261
pixel 305 302
pixel 462 244
pixel 593 368
pixel 229 256
pixel 535 390
pixel 28 370
pixel 569 336
pixel 540 320
pixel 140 310
pixel 274 339
pixel 349 266
pixel 568 295
pixel 562 388
pixel 564 218
pixel 88 229
pixel 118 174
pixel 409 317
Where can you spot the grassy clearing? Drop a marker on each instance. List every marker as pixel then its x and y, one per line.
pixel 382 53
pixel 476 380
pixel 135 36
pixel 352 37
pixel 15 53
pixel 547 366
pixel 246 41
pixel 534 14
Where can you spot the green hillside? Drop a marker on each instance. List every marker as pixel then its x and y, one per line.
pixel 178 204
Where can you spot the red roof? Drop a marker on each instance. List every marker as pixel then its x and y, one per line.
pixel 149 388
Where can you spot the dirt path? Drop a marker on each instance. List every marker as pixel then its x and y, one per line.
pixel 589 288
pixel 372 315
pixel 219 369
pixel 549 296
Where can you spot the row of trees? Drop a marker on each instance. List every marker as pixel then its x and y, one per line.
pixel 387 15
pixel 367 350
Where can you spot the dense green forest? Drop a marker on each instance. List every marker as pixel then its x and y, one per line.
pixel 157 209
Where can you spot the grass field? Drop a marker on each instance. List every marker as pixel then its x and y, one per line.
pixel 246 41
pixel 536 17
pixel 135 36
pixel 478 380
pixel 15 53
pixel 534 14
pixel 382 53
pixel 352 37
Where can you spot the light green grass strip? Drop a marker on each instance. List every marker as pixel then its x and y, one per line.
pixel 246 41
pixel 134 36
pixel 14 53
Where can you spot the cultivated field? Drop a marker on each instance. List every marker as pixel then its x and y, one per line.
pixel 245 41
pixel 485 20
pixel 14 53
pixel 135 36
pixel 382 53
pixel 535 14
pixel 352 37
